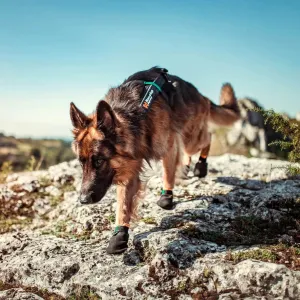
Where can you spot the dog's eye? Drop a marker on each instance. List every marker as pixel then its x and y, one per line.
pixel 99 161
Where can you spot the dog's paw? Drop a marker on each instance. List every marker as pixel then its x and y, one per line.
pixel 182 172
pixel 200 169
pixel 165 201
pixel 119 241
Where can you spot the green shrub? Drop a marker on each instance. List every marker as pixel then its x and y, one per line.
pixel 290 129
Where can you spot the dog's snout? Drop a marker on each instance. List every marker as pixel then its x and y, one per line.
pixel 86 198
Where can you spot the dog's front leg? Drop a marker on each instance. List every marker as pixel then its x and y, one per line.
pixel 170 162
pixel 127 197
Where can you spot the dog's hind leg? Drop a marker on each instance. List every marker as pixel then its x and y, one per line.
pixel 170 162
pixel 184 167
pixel 200 169
pixel 127 198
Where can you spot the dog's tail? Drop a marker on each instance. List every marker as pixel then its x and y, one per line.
pixel 227 112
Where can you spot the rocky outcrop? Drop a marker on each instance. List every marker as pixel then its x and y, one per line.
pixel 54 244
pixel 18 294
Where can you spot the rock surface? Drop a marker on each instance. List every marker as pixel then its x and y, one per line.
pixel 178 254
pixel 18 294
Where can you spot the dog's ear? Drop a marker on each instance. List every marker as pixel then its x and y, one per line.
pixel 106 119
pixel 78 118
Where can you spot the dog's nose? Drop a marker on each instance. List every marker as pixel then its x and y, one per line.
pixel 85 198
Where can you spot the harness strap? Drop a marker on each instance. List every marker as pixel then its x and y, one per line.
pixel 155 87
pixel 152 83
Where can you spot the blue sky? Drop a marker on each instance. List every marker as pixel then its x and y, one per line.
pixel 54 52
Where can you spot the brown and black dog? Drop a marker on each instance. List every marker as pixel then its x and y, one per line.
pixel 113 143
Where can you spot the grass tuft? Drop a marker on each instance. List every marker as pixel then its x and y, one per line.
pixel 280 254
pixel 149 220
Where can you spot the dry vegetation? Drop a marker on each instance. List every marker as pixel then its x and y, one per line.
pixel 280 254
pixel 31 154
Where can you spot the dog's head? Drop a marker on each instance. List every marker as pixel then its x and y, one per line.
pixel 102 158
pixel 94 146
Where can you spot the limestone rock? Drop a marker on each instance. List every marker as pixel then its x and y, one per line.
pixel 18 294
pixel 178 254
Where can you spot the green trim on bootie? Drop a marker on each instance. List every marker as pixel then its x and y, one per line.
pixel 120 228
pixel 116 230
pixel 166 192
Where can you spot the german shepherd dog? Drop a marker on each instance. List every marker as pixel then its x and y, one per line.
pixel 113 143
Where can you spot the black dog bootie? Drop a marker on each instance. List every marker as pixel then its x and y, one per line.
pixel 166 200
pixel 200 169
pixel 119 241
